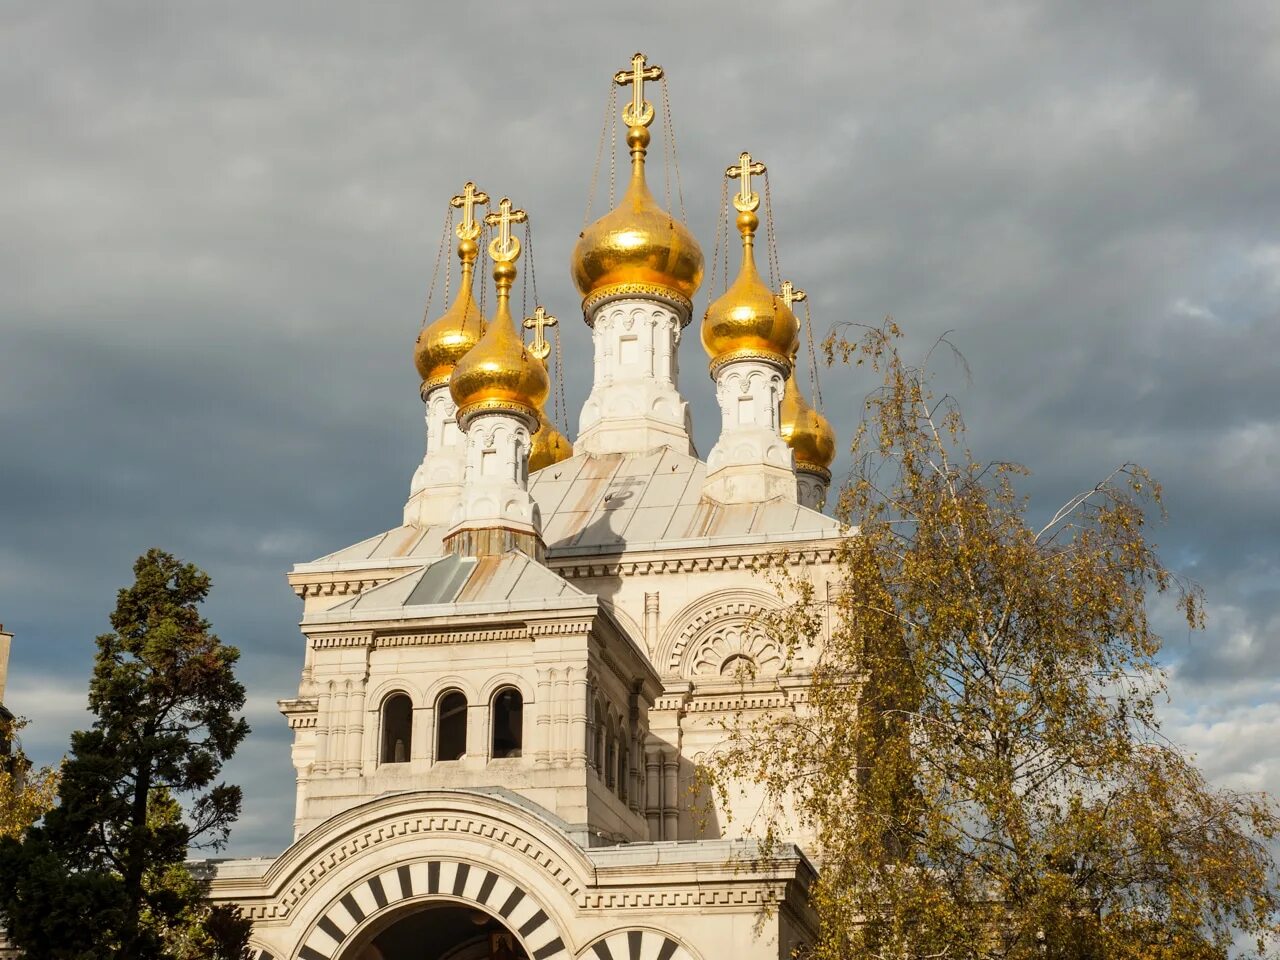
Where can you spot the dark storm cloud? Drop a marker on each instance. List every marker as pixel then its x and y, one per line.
pixel 220 223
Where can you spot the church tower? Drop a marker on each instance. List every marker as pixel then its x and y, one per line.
pixel 499 390
pixel 637 268
pixel 750 335
pixel 438 480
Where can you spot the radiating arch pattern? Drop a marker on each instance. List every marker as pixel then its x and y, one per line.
pixel 636 945
pixel 421 881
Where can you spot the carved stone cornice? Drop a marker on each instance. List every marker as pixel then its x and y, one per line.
pixel 339 586
pixel 300 713
pixel 617 565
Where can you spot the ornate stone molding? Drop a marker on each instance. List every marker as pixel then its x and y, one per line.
pixel 341 587
pixel 585 568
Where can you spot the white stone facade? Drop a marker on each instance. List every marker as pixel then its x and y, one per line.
pixel 495 483
pixel 437 482
pixel 750 462
pixel 635 403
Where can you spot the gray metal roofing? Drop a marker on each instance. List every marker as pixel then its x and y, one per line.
pixel 449 579
pixel 617 502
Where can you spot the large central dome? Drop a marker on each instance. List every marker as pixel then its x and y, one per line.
pixel 637 248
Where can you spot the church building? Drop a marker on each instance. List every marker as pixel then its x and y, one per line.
pixel 504 700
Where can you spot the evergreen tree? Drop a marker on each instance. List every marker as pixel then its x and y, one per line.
pixel 979 757
pixel 104 874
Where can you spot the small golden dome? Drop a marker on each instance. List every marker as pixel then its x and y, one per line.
pixel 549 445
pixel 748 322
pixel 637 247
pixel 806 431
pixel 443 343
pixel 498 373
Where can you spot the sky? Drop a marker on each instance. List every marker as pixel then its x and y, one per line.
pixel 220 221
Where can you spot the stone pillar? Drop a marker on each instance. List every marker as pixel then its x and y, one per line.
pixel 635 403
pixel 355 728
pixel 670 795
pixel 576 701
pixel 750 462
pixel 324 720
pixel 437 481
pixel 562 713
pixel 546 706
pixel 653 790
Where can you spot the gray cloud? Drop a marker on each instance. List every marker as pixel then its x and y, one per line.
pixel 221 223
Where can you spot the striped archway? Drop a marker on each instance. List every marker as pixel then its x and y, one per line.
pixel 421 882
pixel 636 945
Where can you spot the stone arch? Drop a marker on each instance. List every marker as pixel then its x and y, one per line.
pixel 404 828
pixel 697 622
pixel 424 881
pixel 637 942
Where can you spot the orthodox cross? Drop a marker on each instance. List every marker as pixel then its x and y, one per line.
pixel 504 247
pixel 743 170
pixel 467 201
pixel 538 323
pixel 639 112
pixel 790 294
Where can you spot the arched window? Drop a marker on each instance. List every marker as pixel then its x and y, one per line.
pixel 508 723
pixel 397 729
pixel 451 725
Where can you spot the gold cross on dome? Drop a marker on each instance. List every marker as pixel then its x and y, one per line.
pixel 504 247
pixel 538 323
pixel 743 170
pixel 790 294
pixel 639 112
pixel 467 201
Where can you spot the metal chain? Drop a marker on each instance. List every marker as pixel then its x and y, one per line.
pixel 813 358
pixel 671 137
pixel 724 232
pixel 771 236
pixel 524 283
pixel 558 410
pixel 595 170
pixel 613 141
pixel 485 231
pixel 666 149
pixel 721 239
pixel 435 272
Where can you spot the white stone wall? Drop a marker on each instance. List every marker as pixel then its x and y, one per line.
pixel 437 482
pixel 635 403
pixel 495 489
pixel 750 462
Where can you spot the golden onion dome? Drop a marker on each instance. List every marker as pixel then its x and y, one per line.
pixel 806 431
pixel 498 373
pixel 444 342
pixel 548 446
pixel 637 248
pixel 748 322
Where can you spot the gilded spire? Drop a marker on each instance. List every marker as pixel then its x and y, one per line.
pixel 805 430
pixel 498 374
pixel 637 249
pixel 445 341
pixel 748 322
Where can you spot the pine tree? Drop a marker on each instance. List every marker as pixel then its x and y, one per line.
pixel 103 875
